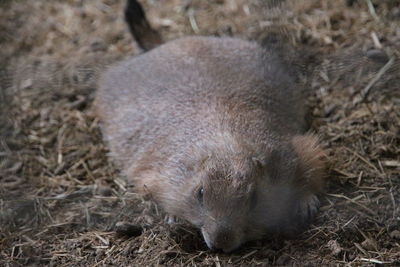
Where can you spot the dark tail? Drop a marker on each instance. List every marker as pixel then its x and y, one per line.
pixel 146 37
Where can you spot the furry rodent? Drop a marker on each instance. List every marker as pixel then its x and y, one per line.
pixel 214 129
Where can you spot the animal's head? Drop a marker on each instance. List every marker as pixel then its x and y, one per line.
pixel 234 198
pixel 226 195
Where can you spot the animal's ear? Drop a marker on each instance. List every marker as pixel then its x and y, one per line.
pixel 203 162
pixel 311 161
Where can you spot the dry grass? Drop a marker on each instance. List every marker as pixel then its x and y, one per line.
pixel 60 198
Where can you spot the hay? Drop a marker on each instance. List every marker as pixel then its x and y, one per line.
pixel 60 198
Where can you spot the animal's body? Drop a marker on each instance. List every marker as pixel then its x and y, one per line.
pixel 214 129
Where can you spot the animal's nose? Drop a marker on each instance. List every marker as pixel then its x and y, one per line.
pixel 220 239
pixel 224 240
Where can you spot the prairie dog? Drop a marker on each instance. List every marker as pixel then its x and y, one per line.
pixel 214 129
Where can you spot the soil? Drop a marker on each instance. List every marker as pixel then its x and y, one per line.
pixel 63 203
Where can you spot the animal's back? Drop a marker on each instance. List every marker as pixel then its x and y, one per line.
pixel 193 88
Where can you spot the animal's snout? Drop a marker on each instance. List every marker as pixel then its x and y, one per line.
pixel 221 238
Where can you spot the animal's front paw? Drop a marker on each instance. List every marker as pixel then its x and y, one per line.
pixel 301 214
pixel 307 209
pixel 171 219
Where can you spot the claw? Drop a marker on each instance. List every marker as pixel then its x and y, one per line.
pixel 170 219
pixel 308 208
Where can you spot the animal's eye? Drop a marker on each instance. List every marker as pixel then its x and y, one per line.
pixel 200 193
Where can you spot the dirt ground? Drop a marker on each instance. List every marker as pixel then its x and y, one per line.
pixel 60 197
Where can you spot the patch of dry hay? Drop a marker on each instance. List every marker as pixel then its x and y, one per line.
pixel 60 197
